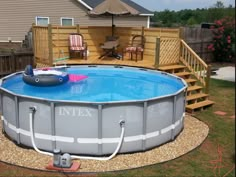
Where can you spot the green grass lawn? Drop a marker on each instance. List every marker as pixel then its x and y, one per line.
pixel 222 134
pixel 195 163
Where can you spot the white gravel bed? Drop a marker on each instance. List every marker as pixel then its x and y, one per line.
pixel 193 134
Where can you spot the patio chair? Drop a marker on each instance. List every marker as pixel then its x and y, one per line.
pixel 77 45
pixel 136 47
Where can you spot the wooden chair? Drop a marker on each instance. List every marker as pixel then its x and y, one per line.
pixel 77 45
pixel 136 47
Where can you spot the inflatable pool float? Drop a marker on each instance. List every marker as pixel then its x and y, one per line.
pixel 44 77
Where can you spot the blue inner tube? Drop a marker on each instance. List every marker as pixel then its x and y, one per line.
pixel 44 77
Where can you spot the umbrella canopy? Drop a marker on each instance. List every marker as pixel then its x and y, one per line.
pixel 113 7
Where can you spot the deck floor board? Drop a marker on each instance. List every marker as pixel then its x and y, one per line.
pixel 147 63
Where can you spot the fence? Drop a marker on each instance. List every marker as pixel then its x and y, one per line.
pixel 51 41
pixel 15 61
pixel 198 39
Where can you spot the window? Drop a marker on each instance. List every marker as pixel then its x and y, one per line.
pixel 67 21
pixel 43 21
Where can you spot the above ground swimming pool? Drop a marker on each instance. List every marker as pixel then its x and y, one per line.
pixel 87 116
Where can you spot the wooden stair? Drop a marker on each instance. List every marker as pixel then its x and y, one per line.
pixel 184 75
pixel 199 105
pixel 191 81
pixel 194 88
pixel 196 98
pixel 173 68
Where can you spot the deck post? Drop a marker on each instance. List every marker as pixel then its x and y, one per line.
pixel 181 33
pixel 208 75
pixel 181 37
pixel 77 29
pixel 50 47
pixel 157 55
pixel 142 32
pixel 33 44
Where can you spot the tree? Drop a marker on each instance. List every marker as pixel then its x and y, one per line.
pixel 217 11
pixel 165 17
pixel 184 17
pixel 219 4
pixel 191 21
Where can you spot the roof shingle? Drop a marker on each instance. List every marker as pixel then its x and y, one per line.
pixel 142 10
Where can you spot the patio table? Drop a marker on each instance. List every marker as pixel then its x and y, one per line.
pixel 109 48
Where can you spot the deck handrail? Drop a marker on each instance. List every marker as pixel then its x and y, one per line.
pixel 195 64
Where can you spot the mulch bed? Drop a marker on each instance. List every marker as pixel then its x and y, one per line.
pixel 193 134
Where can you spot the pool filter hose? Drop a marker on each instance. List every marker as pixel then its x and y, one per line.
pixel 32 111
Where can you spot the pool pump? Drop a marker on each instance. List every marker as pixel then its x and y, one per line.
pixel 62 161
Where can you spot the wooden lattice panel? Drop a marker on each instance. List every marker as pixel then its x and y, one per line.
pixel 169 51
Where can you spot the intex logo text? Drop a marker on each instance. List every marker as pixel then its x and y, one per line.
pixel 75 112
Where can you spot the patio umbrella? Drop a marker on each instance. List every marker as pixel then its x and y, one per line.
pixel 113 8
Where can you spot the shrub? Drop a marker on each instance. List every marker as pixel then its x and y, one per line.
pixel 223 45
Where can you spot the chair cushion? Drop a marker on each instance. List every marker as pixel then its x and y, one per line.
pixel 139 49
pixel 134 49
pixel 130 49
pixel 76 41
pixel 77 48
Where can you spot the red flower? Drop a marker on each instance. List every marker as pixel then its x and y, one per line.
pixel 210 46
pixel 223 38
pixel 218 22
pixel 221 29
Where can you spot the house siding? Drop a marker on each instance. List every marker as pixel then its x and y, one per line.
pixel 17 16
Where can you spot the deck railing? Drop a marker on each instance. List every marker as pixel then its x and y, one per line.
pixel 50 41
pixel 195 64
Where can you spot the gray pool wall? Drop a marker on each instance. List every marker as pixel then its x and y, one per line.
pixel 93 128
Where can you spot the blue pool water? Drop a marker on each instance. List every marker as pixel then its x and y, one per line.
pixel 102 85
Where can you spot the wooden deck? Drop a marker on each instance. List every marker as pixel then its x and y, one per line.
pixel 146 63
